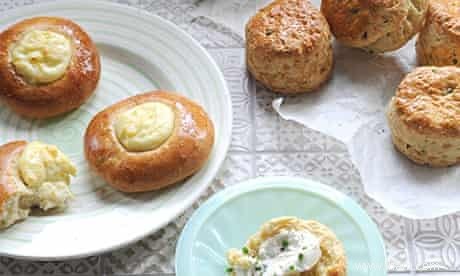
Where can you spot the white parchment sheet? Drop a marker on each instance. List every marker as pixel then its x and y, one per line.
pixel 350 107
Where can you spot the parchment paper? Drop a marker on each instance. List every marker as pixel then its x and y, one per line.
pixel 350 107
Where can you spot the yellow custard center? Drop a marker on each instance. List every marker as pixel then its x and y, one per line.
pixel 46 171
pixel 145 127
pixel 41 56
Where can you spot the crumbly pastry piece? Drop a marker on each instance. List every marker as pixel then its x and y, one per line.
pixel 439 41
pixel 48 66
pixel 424 116
pixel 375 25
pixel 149 141
pixel 331 263
pixel 289 47
pixel 32 175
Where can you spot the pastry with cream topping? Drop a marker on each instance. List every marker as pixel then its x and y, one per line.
pixel 32 175
pixel 48 66
pixel 149 141
pixel 289 246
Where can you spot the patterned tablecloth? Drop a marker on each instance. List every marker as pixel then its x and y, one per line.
pixel 262 145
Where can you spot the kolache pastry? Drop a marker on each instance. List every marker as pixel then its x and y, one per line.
pixel 439 41
pixel 376 26
pixel 289 246
pixel 289 47
pixel 48 66
pixel 424 116
pixel 32 175
pixel 149 141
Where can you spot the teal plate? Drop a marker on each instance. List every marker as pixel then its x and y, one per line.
pixel 231 216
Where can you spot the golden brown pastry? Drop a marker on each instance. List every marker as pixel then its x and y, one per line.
pixel 424 116
pixel 290 246
pixel 289 47
pixel 32 175
pixel 375 25
pixel 149 141
pixel 48 66
pixel 439 41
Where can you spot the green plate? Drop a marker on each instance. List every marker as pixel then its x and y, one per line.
pixel 228 218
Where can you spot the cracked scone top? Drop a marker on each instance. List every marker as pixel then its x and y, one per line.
pixel 424 116
pixel 375 25
pixel 439 40
pixel 288 46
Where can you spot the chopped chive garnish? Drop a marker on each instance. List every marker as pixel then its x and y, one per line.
pixel 258 268
pixel 285 243
pixel 291 268
pixel 300 256
pixel 245 250
pixel 229 269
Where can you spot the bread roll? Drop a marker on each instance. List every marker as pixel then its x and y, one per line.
pixel 149 141
pixel 376 26
pixel 439 41
pixel 48 66
pixel 424 116
pixel 289 47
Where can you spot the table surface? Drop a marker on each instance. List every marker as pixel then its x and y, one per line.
pixel 262 145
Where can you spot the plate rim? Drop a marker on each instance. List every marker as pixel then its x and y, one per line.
pixel 372 234
pixel 17 13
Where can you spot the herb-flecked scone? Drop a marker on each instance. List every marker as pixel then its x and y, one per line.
pixel 424 116
pixel 289 47
pixel 376 26
pixel 32 175
pixel 289 246
pixel 48 66
pixel 149 141
pixel 439 41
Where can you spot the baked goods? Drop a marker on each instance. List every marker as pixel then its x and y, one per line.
pixel 424 116
pixel 32 175
pixel 375 25
pixel 290 246
pixel 149 141
pixel 439 40
pixel 48 66
pixel 289 47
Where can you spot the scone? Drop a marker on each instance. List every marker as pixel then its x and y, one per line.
pixel 376 26
pixel 289 47
pixel 439 41
pixel 48 66
pixel 32 175
pixel 149 141
pixel 424 116
pixel 290 246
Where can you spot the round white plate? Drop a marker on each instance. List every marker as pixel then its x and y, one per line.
pixel 140 52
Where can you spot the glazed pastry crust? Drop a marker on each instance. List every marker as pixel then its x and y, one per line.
pixel 63 95
pixel 375 25
pixel 424 116
pixel 180 156
pixel 439 41
pixel 289 47
pixel 9 153
pixel 333 259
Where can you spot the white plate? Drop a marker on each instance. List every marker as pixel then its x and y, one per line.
pixel 140 52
